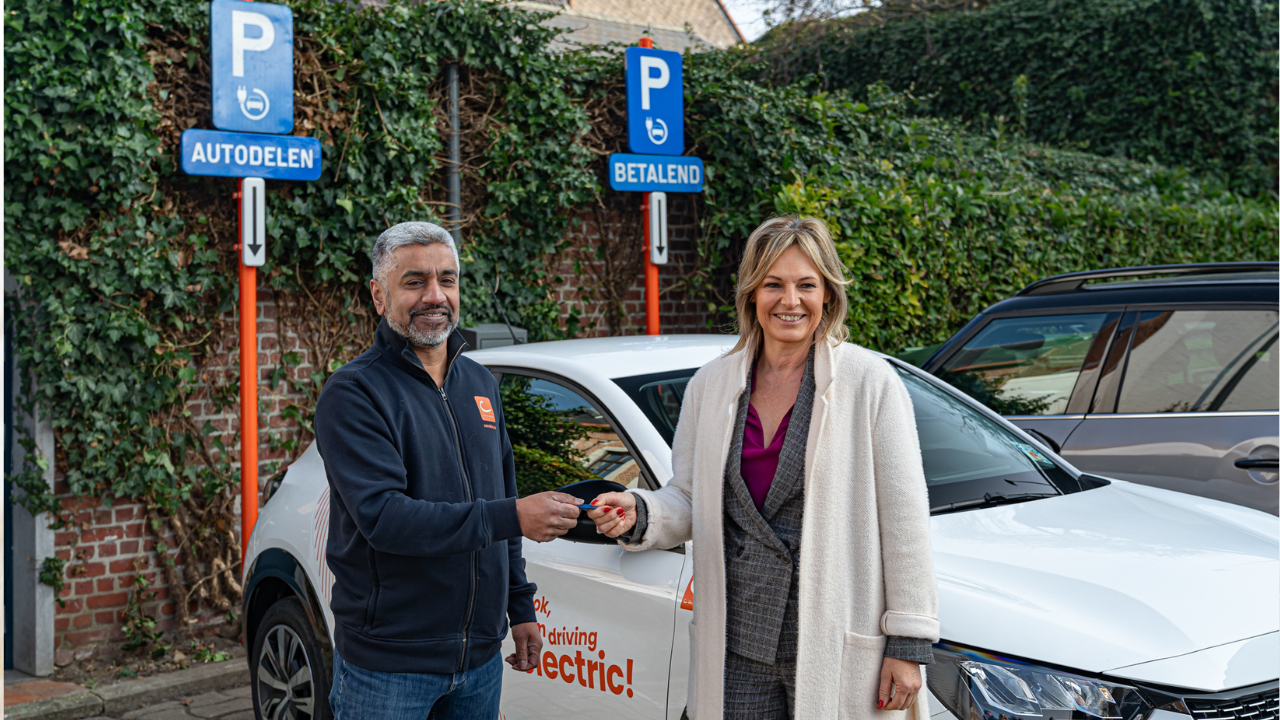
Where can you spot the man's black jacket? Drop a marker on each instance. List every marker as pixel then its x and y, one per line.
pixel 424 540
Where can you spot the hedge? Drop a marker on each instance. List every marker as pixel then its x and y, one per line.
pixel 1179 82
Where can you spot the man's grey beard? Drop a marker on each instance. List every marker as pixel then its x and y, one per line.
pixel 423 338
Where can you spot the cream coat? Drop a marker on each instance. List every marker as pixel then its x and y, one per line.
pixel 865 565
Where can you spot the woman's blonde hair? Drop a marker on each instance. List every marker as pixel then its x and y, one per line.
pixel 765 245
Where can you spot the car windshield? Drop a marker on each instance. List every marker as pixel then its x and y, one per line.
pixel 969 459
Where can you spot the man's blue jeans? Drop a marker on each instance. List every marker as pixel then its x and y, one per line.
pixel 360 694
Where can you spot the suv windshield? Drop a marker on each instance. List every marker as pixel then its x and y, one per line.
pixel 969 459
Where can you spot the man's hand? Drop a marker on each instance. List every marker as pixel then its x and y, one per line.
pixel 546 516
pixel 904 677
pixel 618 517
pixel 528 646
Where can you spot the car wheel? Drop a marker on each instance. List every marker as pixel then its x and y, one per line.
pixel 286 671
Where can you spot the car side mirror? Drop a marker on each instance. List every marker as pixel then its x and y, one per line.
pixel 586 491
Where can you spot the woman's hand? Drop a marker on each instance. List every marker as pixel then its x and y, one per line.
pixel 615 514
pixel 903 678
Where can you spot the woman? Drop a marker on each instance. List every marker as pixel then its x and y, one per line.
pixel 796 434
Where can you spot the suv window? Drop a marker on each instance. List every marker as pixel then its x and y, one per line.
pixel 1201 361
pixel 1026 365
pixel 558 437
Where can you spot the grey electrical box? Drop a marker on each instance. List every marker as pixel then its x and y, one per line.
pixel 492 335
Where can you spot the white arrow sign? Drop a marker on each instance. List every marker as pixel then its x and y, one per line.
pixel 658 228
pixel 253 222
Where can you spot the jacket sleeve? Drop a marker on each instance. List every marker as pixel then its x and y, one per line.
pixel 670 508
pixel 902 502
pixel 520 590
pixel 365 469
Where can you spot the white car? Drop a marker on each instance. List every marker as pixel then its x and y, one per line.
pixel 1063 596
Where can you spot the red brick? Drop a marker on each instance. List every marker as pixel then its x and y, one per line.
pixel 106 584
pixel 84 587
pixel 127 565
pixel 124 514
pixel 128 547
pixel 133 531
pixel 94 569
pixel 81 622
pixel 104 617
pixel 70 607
pixel 60 624
pixel 108 549
pixel 108 600
pixel 86 637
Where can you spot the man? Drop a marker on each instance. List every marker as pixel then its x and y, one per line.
pixel 424 520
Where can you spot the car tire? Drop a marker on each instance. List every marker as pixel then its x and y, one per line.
pixel 286 670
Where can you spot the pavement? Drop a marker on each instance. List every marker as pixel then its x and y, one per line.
pixel 211 690
pixel 232 704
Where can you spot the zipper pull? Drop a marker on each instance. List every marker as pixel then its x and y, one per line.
pixel 442 395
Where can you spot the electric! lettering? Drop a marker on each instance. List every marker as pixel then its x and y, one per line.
pixel 593 673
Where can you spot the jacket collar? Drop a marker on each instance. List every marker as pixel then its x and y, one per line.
pixel 393 346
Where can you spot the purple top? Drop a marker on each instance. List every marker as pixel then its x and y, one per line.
pixel 760 463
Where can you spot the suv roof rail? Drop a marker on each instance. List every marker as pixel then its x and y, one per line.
pixel 1070 282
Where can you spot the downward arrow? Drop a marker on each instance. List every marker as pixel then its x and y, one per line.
pixel 662 247
pixel 255 247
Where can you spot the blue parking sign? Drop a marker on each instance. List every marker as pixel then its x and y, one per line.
pixel 655 102
pixel 252 49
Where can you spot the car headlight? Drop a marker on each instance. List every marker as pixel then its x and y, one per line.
pixel 977 685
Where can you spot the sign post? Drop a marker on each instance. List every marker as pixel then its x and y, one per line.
pixel 655 136
pixel 251 45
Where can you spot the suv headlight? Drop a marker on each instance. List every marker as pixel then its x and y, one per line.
pixel 977 685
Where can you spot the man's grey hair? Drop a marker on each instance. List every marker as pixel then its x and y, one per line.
pixel 408 233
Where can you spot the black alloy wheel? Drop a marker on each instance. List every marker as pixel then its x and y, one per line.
pixel 286 671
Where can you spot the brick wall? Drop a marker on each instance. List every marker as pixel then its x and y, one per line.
pixel 621 231
pixel 107 547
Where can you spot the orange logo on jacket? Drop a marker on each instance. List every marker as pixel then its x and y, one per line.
pixel 486 408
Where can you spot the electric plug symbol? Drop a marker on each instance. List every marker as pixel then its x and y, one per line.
pixel 256 107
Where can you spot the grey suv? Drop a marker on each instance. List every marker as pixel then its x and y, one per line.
pixel 1162 375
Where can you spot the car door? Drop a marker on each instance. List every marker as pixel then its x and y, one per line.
pixel 1039 371
pixel 607 616
pixel 1187 401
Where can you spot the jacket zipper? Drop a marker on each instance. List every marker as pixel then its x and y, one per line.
pixel 471 598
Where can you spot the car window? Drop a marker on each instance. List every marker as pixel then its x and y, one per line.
pixel 1201 360
pixel 1025 365
pixel 967 455
pixel 558 437
pixel 659 396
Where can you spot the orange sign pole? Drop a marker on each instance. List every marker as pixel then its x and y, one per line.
pixel 248 390
pixel 652 320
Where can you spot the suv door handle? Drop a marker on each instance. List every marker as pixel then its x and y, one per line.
pixel 1258 464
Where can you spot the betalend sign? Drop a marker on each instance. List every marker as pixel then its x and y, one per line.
pixel 251 48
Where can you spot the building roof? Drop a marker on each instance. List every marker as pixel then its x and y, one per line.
pixel 673 24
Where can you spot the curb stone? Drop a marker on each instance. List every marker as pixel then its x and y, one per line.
pixel 129 695
pixel 66 707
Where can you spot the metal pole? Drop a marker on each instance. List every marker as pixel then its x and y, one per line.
pixel 652 320
pixel 455 156
pixel 248 390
